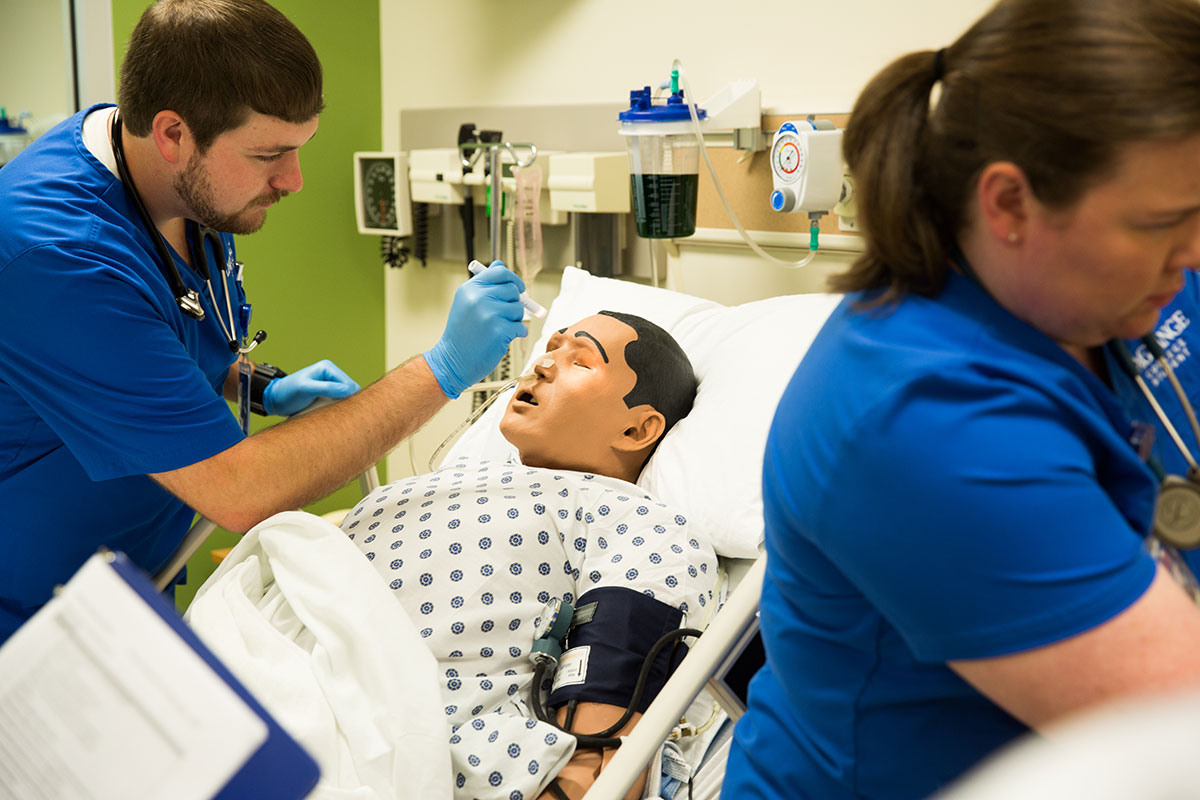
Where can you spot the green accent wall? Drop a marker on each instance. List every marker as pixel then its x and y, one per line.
pixel 315 282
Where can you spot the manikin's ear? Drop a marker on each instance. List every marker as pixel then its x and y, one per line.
pixel 171 136
pixel 1006 200
pixel 646 426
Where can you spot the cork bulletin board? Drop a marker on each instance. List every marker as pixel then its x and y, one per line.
pixel 748 187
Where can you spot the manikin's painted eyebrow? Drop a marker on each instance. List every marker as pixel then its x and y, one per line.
pixel 599 346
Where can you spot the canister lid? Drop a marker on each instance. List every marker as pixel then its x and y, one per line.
pixel 6 126
pixel 642 109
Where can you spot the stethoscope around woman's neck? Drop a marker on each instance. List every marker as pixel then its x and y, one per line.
pixel 1177 509
pixel 200 235
pixel 1124 358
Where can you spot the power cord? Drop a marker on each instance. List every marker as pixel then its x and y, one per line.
pixel 393 251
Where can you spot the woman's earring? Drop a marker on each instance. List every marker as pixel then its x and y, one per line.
pixel 1012 237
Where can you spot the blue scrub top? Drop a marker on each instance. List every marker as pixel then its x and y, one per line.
pixel 102 377
pixel 941 482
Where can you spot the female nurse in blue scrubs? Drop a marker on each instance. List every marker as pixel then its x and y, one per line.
pixel 960 483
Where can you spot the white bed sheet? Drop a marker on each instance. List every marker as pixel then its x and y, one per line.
pixel 294 611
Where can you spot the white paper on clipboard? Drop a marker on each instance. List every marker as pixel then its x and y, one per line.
pixel 99 698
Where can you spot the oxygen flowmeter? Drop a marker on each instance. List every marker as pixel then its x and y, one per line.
pixel 806 166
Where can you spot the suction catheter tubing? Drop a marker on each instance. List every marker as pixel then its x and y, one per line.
pixel 677 66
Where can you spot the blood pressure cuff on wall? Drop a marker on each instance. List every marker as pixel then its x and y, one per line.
pixel 618 637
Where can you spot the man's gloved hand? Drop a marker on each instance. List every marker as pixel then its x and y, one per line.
pixel 484 317
pixel 296 391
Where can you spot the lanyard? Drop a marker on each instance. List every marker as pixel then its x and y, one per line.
pixel 1125 359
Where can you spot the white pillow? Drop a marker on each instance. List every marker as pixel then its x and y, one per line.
pixel 709 465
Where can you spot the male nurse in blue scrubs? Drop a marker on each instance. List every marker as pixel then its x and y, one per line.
pixel 114 426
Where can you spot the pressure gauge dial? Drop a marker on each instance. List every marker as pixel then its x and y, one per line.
pixel 787 159
pixel 379 193
pixel 381 186
pixel 554 620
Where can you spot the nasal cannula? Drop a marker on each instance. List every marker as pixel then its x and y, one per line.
pixel 476 267
pixel 528 378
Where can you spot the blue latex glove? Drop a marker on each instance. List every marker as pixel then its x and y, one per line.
pixel 296 391
pixel 484 317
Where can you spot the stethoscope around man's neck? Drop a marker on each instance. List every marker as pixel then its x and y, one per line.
pixel 198 239
pixel 1177 508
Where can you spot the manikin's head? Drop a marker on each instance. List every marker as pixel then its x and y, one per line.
pixel 607 390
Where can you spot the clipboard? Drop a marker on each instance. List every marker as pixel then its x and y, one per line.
pixel 100 662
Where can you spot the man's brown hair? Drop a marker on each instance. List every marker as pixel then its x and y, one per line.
pixel 215 61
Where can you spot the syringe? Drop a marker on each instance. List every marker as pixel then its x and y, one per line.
pixel 476 267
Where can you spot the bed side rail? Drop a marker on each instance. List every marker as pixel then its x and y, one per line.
pixel 706 663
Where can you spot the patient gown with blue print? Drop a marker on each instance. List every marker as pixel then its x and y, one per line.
pixel 473 553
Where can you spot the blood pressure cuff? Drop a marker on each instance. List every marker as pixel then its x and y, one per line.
pixel 604 655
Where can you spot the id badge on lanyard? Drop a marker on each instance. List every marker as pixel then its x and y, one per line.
pixel 245 370
pixel 244 364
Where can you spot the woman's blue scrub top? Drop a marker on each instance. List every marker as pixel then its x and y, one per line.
pixel 941 482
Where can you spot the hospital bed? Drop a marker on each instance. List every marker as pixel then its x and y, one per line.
pixel 709 467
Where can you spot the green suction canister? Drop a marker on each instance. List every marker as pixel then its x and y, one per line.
pixel 664 163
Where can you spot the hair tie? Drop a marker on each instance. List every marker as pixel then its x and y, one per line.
pixel 939 64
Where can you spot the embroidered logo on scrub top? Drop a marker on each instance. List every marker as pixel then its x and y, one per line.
pixel 1169 336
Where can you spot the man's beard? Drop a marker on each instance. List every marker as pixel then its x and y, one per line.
pixel 194 188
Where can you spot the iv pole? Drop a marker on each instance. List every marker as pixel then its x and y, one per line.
pixel 494 150
pixel 499 377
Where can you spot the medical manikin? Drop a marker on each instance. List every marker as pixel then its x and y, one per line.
pixel 486 557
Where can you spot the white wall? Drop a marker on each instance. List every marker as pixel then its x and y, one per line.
pixel 808 58
pixel 94 52
pixel 35 59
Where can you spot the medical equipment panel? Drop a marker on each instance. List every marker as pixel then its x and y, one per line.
pixel 590 182
pixel 509 170
pixel 436 176
pixel 806 166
